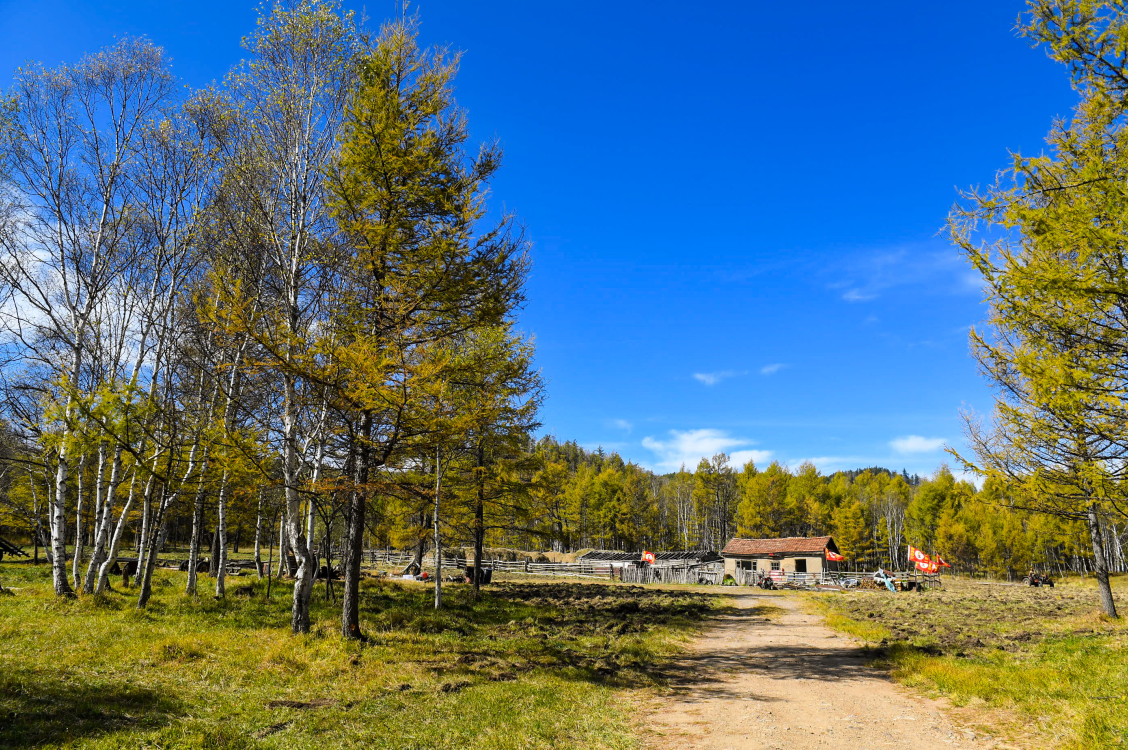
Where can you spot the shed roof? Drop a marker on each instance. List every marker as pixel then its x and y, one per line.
pixel 612 556
pixel 812 545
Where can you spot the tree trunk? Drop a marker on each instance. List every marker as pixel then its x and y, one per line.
pixel 303 583
pixel 145 573
pixel 479 518
pixel 58 519
pixel 115 540
pixel 283 546
pixel 103 517
pixel 221 540
pixel 213 554
pixel 191 587
pixel 438 538
pixel 258 536
pixel 79 539
pixel 148 526
pixel 354 544
pixel 270 560
pixel 1100 562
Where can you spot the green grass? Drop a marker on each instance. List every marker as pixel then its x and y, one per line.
pixel 1040 662
pixel 534 665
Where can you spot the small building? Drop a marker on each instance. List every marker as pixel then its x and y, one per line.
pixel 795 554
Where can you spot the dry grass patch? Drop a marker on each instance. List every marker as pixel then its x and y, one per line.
pixel 1045 656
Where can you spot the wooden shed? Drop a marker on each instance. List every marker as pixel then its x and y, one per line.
pixel 634 559
pixel 795 554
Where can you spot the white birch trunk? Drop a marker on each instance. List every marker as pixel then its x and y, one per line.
pixel 258 535
pixel 221 567
pixel 115 540
pixel 78 536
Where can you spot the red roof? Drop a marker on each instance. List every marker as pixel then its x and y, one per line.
pixel 811 545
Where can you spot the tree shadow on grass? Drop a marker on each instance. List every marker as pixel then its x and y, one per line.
pixel 580 632
pixel 38 709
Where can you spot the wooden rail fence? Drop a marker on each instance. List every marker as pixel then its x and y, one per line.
pixel 577 570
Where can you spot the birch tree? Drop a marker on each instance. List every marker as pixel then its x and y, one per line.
pixel 72 154
pixel 289 98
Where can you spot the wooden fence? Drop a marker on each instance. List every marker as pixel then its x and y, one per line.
pixel 576 570
pixel 686 573
pixel 833 578
pixel 710 573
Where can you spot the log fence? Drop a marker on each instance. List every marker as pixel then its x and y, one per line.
pixel 575 570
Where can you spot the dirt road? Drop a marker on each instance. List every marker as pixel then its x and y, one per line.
pixel 765 679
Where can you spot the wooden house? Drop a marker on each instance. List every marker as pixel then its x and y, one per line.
pixel 796 554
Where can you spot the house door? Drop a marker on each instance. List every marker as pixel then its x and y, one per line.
pixel 800 566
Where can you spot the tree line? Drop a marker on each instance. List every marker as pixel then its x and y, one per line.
pixel 581 499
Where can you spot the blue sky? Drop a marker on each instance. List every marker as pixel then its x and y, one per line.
pixel 736 209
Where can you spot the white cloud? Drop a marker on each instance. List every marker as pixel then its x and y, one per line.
pixel 830 464
pixel 916 444
pixel 712 378
pixel 772 368
pixel 622 424
pixel 688 447
pixel 737 459
pixel 857 295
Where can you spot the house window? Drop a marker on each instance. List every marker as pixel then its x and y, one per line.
pixel 800 566
pixel 753 565
pixel 744 565
pixel 775 564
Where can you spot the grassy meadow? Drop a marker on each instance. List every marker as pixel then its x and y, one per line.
pixel 532 665
pixel 1040 665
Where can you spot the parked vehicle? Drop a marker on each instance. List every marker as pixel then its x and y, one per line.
pixel 1038 579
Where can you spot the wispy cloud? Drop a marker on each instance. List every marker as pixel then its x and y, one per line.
pixel 688 447
pixel 622 424
pixel 916 444
pixel 737 459
pixel 772 368
pixel 712 378
pixel 830 464
pixel 866 277
pixel 857 295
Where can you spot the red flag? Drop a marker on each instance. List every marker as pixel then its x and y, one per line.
pixel 940 561
pixel 834 556
pixel 927 567
pixel 918 557
pixel 648 557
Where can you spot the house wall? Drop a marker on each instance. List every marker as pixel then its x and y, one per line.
pixel 787 564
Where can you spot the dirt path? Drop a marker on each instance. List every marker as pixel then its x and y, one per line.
pixel 762 679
